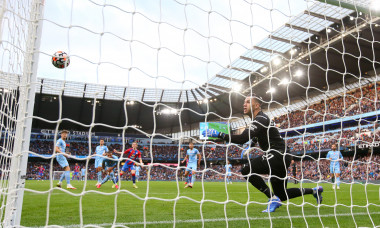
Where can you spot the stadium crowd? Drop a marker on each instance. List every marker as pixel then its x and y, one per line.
pixel 361 100
pixel 309 143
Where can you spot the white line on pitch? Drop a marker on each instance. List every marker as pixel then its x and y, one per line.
pixel 222 219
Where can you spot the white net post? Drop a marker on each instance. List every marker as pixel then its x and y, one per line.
pixel 18 166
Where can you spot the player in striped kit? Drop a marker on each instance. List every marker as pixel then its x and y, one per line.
pixel 76 171
pixel 109 165
pixel 100 151
pixel 194 161
pixel 335 156
pixel 41 170
pixel 132 154
pixel 60 149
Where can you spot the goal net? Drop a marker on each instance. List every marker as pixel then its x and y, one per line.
pixel 165 73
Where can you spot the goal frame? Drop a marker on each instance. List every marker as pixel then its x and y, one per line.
pixel 27 91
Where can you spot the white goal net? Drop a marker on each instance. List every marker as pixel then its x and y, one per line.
pixel 162 74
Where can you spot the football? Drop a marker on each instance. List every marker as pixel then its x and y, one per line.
pixel 60 59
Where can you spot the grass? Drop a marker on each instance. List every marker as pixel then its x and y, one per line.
pixel 99 208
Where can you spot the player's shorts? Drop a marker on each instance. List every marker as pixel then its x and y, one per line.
pixel 137 173
pixel 40 174
pixel 334 169
pixel 76 173
pixel 128 167
pixel 62 161
pixel 229 174
pixel 98 162
pixel 191 166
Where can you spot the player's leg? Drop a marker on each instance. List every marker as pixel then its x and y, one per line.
pixel 251 173
pixel 62 161
pixel 332 174
pixel 186 176
pixel 133 173
pixel 120 174
pixel 192 177
pixel 98 167
pixel 337 177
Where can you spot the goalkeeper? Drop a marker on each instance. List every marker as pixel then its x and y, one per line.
pixel 274 162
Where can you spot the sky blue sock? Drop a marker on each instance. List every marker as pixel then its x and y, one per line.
pixel 192 179
pixel 338 181
pixel 62 177
pixel 67 174
pixel 100 176
pixel 105 179
pixel 113 178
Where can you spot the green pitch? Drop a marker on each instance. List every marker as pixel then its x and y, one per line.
pixel 100 208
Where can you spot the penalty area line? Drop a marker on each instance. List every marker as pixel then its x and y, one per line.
pixel 223 219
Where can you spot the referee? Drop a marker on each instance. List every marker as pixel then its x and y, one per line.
pixel 274 162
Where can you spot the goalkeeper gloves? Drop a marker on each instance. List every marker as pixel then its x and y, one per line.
pixel 211 133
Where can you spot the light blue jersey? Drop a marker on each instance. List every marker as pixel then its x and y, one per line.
pixel 193 159
pixel 138 168
pixel 192 154
pixel 228 169
pixel 334 157
pixel 61 159
pixel 100 150
pixel 83 171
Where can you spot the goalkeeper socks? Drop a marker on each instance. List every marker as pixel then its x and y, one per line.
pixel 99 176
pixel 134 178
pixel 62 177
pixel 338 181
pixel 267 192
pixel 67 174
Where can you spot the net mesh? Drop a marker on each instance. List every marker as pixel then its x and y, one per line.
pixel 183 62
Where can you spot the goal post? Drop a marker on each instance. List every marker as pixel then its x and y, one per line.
pixel 24 109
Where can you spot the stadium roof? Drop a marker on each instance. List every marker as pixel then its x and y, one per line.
pixel 294 35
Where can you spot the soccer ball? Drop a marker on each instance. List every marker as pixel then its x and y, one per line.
pixel 60 59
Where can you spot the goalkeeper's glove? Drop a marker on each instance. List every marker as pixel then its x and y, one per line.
pixel 211 133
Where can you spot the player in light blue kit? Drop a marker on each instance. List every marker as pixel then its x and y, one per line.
pixel 109 165
pixel 334 156
pixel 228 167
pixel 83 170
pixel 100 151
pixel 138 168
pixel 60 149
pixel 194 161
